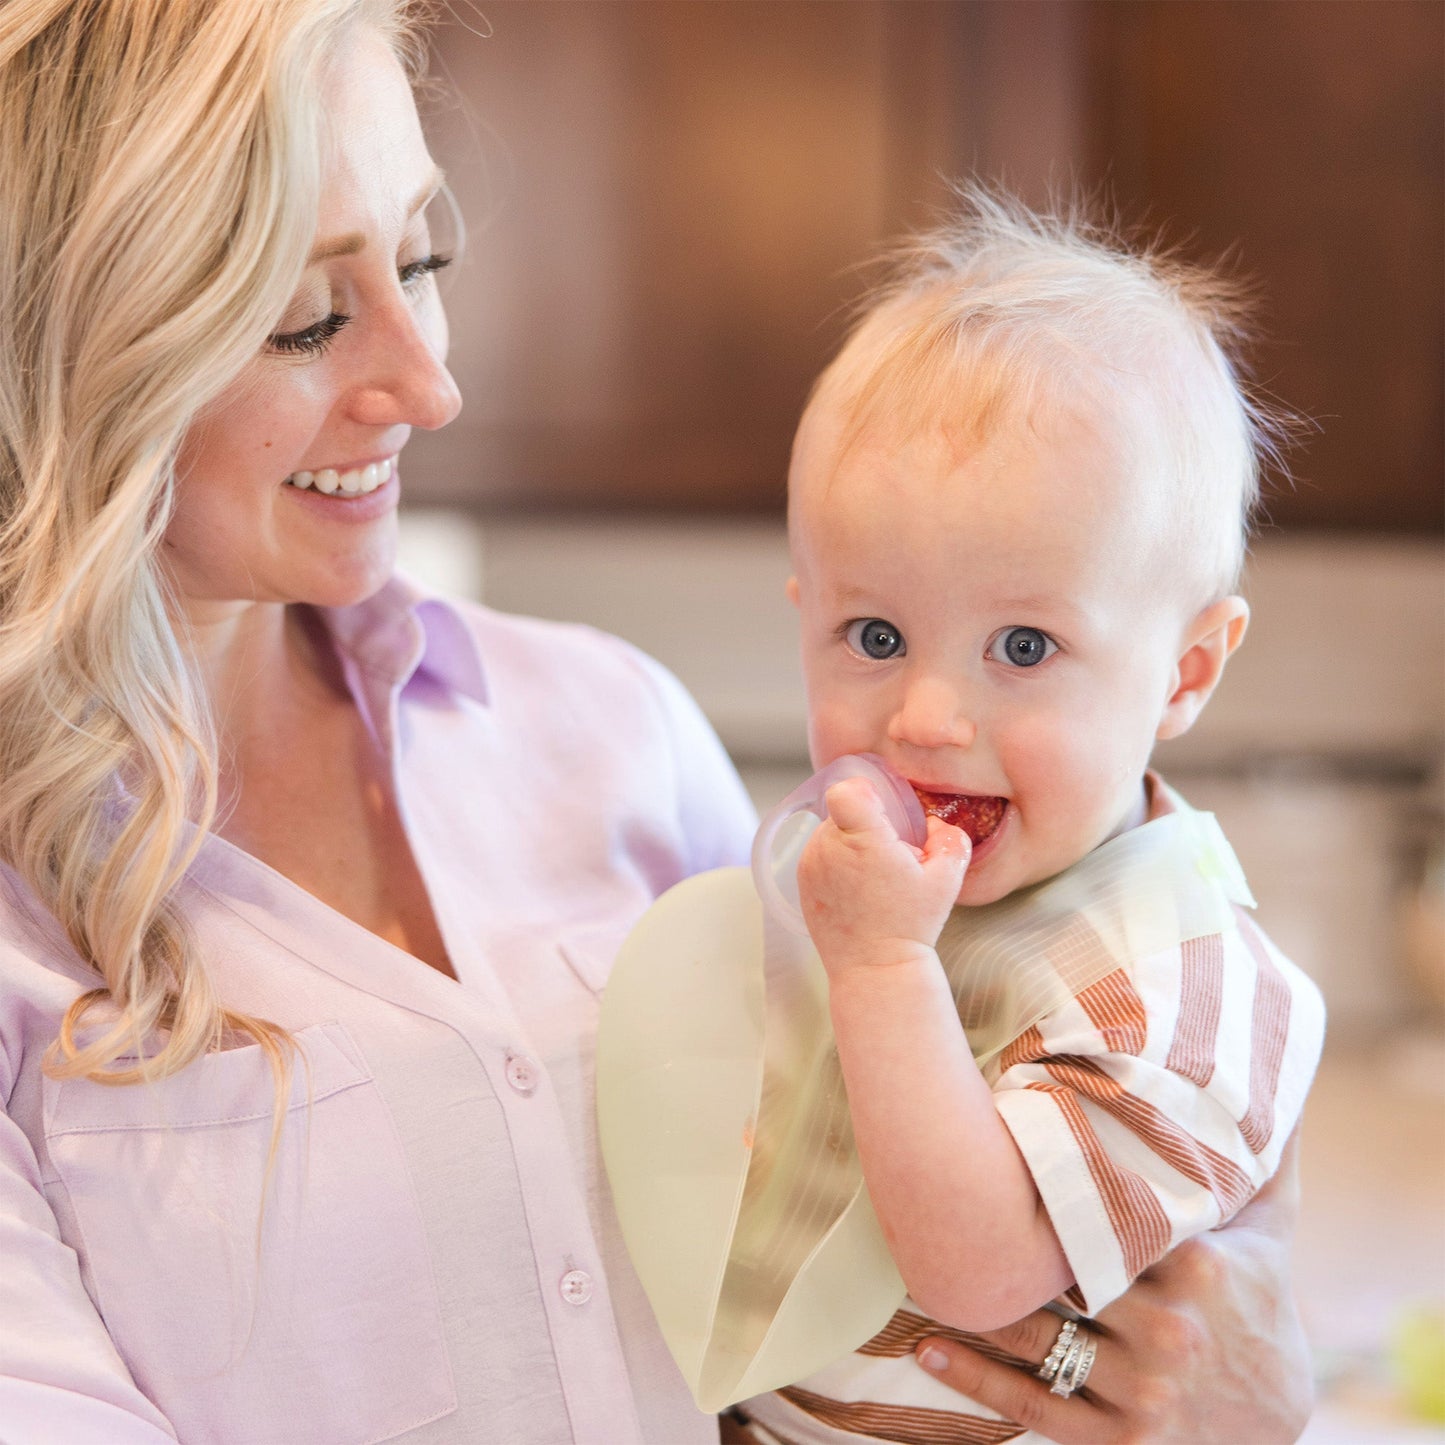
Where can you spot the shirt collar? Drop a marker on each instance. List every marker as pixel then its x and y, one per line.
pixel 400 631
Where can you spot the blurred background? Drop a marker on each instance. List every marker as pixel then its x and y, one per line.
pixel 671 206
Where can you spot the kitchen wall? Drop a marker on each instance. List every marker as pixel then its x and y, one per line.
pixel 672 206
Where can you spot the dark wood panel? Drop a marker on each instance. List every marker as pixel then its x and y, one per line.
pixel 675 199
pixel 670 202
pixel 1306 138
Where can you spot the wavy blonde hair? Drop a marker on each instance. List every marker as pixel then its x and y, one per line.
pixel 159 185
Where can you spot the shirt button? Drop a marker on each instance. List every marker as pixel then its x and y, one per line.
pixel 576 1286
pixel 521 1073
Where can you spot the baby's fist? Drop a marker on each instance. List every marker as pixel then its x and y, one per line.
pixel 868 896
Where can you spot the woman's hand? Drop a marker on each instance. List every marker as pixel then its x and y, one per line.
pixel 1205 1346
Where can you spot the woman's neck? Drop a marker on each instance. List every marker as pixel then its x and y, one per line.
pixel 264 668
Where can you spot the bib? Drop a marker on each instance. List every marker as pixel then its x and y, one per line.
pixel 723 1119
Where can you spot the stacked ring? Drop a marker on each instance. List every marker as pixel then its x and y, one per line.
pixel 1055 1356
pixel 1067 1365
pixel 1066 1385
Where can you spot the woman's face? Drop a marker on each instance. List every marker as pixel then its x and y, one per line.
pixel 287 484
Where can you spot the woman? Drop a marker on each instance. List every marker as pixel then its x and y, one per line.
pixel 308 882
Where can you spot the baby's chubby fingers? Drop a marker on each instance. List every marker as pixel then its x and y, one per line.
pixel 946 845
pixel 864 890
pixel 857 811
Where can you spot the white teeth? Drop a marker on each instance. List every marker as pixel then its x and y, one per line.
pixel 354 483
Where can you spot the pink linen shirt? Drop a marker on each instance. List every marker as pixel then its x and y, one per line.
pixel 435 1257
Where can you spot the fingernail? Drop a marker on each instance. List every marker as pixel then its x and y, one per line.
pixel 932 1358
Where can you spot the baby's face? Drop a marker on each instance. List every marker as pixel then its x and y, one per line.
pixel 992 621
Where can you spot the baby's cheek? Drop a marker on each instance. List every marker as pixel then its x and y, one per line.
pixel 1056 766
pixel 834 730
pixel 1047 751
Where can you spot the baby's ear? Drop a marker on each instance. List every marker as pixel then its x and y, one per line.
pixel 1209 640
pixel 791 588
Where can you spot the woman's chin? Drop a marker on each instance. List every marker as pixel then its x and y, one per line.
pixel 344 581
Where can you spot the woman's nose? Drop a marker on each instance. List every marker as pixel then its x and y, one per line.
pixel 933 715
pixel 406 381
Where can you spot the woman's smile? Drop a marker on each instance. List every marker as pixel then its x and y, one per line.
pixel 351 481
pixel 359 495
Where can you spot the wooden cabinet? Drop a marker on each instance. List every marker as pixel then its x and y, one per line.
pixel 670 203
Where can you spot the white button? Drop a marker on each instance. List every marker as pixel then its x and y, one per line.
pixel 521 1073
pixel 576 1286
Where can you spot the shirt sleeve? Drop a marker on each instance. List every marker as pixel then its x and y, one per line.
pixel 717 817
pixel 61 1377
pixel 1160 1099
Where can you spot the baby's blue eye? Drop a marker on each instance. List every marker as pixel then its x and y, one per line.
pixel 1022 647
pixel 873 637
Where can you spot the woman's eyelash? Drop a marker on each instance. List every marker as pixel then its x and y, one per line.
pixel 315 337
pixel 319 334
pixel 424 267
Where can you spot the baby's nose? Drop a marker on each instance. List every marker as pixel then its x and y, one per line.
pixel 934 714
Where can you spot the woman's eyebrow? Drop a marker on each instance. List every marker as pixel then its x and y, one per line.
pixel 354 241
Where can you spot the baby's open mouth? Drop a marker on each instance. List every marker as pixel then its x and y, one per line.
pixel 979 817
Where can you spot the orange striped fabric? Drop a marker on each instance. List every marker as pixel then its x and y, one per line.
pixel 1135 1214
pixel 1101 1072
pixel 902 1424
pixel 906 1331
pixel 1268 1032
pixel 1229 1185
pixel 1201 997
pixel 1114 1008
pixel 1024 1050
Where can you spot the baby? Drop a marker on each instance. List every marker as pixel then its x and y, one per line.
pixel 1058 1043
pixel 1018 503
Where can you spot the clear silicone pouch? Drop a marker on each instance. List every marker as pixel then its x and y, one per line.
pixel 780 839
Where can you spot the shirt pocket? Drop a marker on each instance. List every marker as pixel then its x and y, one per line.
pixel 309 1313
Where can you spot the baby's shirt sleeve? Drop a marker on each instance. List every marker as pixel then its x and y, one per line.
pixel 1154 1104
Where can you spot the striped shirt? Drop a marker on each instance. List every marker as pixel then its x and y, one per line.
pixel 1149 1108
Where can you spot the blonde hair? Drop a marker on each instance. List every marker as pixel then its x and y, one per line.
pixel 159 186
pixel 1003 313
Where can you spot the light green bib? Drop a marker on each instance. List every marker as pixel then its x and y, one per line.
pixel 723 1119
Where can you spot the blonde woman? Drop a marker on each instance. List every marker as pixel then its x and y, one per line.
pixel 309 882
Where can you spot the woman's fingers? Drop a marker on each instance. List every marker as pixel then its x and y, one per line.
pixel 1030 1339
pixel 1019 1396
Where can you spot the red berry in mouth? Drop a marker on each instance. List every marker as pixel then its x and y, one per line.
pixel 978 817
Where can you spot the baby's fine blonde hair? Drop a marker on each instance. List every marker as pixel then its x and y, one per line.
pixel 159 188
pixel 1006 314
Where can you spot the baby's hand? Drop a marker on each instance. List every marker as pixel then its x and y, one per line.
pixel 869 898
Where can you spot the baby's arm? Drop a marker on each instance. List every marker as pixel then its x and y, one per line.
pixel 957 1204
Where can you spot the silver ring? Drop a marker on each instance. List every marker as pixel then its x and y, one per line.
pixel 1081 1370
pixel 1055 1356
pixel 1074 1368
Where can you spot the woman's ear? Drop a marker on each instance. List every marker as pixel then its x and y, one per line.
pixel 1208 641
pixel 791 588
